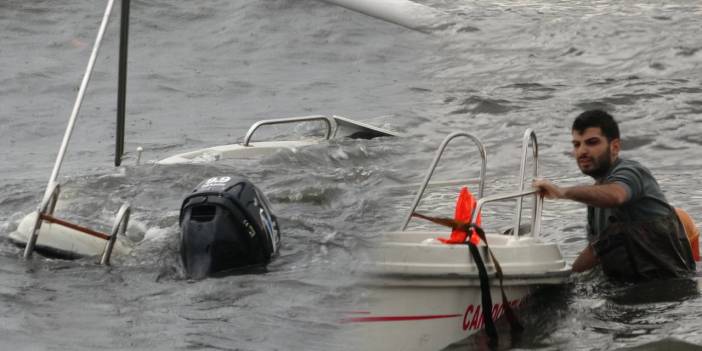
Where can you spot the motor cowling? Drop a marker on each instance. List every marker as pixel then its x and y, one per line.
pixel 226 223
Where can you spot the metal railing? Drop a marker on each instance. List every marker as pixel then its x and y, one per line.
pixel 439 153
pixel 45 213
pixel 528 139
pixel 329 121
pixel 538 207
pixel 120 227
pixel 48 204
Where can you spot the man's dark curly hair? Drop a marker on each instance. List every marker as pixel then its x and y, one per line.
pixel 597 118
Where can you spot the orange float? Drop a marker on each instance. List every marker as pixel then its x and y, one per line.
pixel 693 234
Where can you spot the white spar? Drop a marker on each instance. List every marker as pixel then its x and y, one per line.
pixel 402 12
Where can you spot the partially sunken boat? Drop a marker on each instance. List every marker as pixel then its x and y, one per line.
pixel 52 236
pixel 425 295
pixel 336 127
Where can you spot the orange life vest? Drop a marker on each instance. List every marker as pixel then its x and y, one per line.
pixel 464 210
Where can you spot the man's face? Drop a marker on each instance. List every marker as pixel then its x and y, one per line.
pixel 593 152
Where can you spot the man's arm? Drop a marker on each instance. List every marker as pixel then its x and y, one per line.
pixel 586 260
pixel 602 195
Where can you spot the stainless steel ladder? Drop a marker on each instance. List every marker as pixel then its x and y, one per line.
pixel 529 139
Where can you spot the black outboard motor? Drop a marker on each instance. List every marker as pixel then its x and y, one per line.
pixel 226 224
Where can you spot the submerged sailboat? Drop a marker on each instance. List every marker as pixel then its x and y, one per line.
pixel 423 294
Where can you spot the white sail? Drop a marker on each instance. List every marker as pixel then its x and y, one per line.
pixel 402 12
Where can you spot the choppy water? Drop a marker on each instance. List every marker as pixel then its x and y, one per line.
pixel 201 73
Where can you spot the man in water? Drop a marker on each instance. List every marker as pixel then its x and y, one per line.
pixel 632 230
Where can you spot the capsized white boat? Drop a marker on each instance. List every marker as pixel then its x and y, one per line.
pixel 336 127
pixel 42 231
pixel 423 294
pixel 62 239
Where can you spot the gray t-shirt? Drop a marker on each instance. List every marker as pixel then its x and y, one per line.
pixel 645 198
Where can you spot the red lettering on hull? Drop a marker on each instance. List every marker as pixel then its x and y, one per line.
pixel 473 317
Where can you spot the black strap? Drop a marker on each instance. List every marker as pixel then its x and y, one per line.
pixel 490 329
pixel 509 312
pixel 482 274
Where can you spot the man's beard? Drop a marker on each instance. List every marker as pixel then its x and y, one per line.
pixel 601 166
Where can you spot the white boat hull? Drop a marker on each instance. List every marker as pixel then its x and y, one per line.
pixel 338 127
pixel 222 152
pixel 425 295
pixel 425 318
pixel 61 241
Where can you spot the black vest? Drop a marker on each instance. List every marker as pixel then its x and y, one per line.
pixel 643 250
